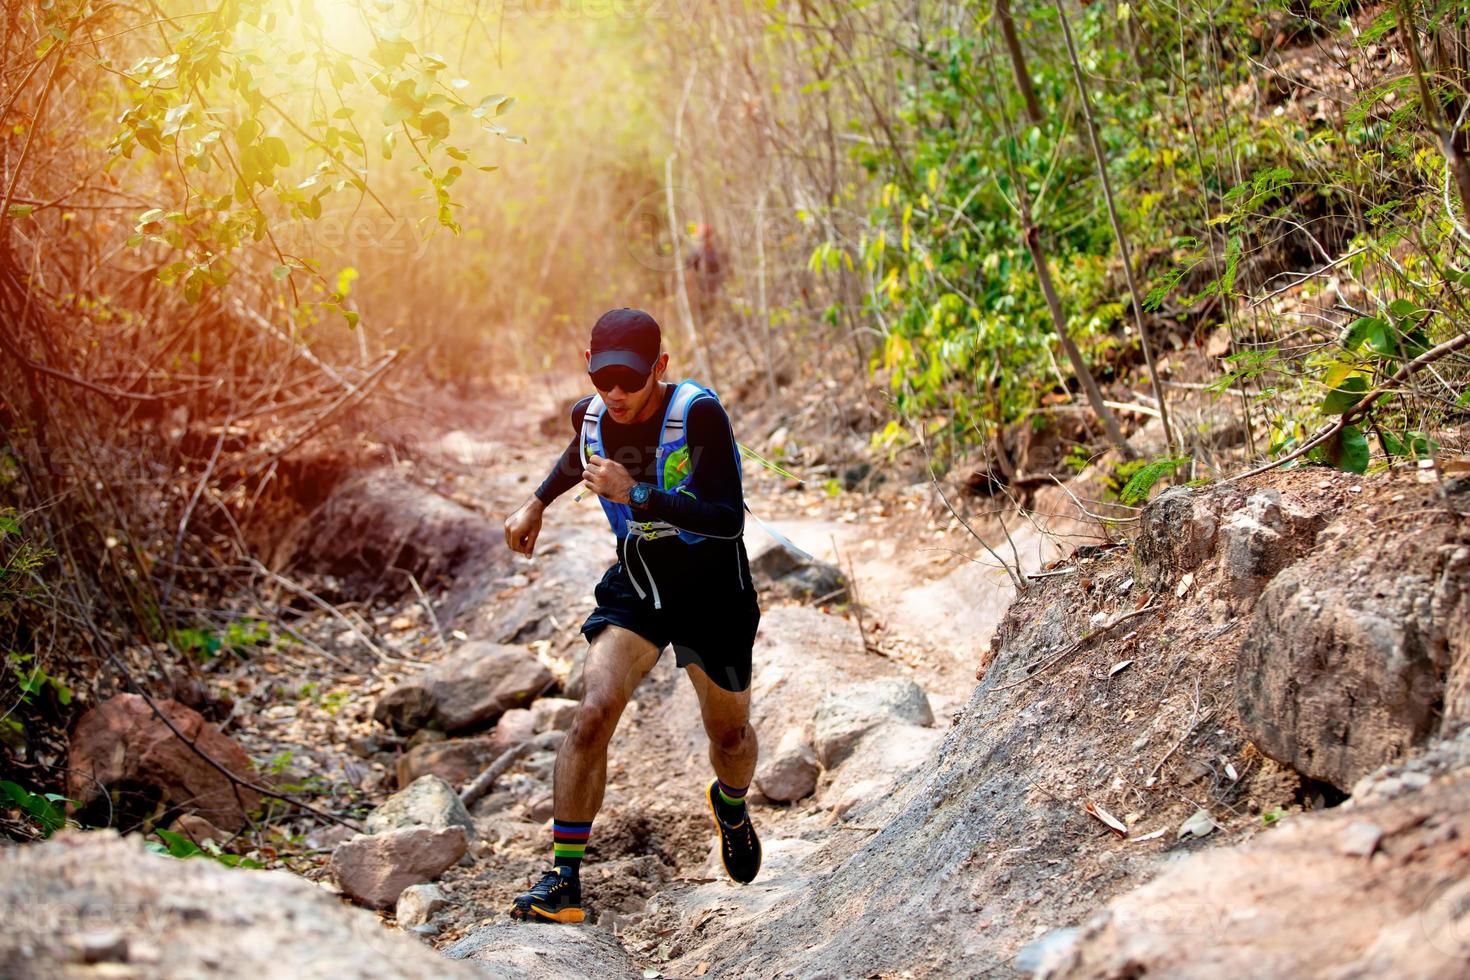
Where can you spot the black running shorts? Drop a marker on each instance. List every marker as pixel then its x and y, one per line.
pixel 709 624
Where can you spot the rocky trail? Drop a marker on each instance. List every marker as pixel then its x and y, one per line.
pixel 1178 757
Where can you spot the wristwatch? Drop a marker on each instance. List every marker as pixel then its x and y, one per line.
pixel 638 496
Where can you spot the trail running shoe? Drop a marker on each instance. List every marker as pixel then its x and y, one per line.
pixel 557 897
pixel 740 848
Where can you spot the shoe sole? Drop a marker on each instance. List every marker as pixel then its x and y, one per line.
pixel 709 797
pixel 565 915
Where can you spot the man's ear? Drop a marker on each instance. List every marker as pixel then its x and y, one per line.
pixel 661 365
pixel 587 356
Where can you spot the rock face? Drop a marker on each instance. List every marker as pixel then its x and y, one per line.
pixel 427 802
pixel 95 895
pixel 468 690
pixel 522 951
pixel 791 772
pixel 374 869
pixel 1345 663
pixel 553 714
pixel 121 745
pixel 847 714
pixel 1289 902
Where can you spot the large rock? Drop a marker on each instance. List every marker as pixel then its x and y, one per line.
pixel 846 714
pixel 790 577
pixel 1344 666
pixel 96 896
pixel 427 802
pixel 525 951
pixel 374 869
pixel 459 760
pixel 120 746
pixel 468 690
pixel 790 773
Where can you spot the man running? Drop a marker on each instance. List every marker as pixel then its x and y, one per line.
pixel 663 461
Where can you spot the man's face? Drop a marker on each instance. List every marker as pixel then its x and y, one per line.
pixel 626 406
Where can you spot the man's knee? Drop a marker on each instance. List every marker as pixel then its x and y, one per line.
pixel 730 737
pixel 595 720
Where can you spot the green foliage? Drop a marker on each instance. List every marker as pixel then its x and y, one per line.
pixel 178 846
pixel 270 120
pixel 43 809
pixel 1144 476
pixel 236 638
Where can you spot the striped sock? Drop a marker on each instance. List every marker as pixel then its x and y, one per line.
pixel 729 801
pixel 569 843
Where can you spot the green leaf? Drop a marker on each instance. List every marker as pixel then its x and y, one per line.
pixel 1352 450
pixel 1344 396
pixel 1375 331
pixel 435 125
pixel 247 132
pixel 397 111
pixel 1392 445
pixel 21 210
pixel 281 271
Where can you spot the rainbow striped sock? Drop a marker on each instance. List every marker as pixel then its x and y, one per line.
pixel 729 800
pixel 569 843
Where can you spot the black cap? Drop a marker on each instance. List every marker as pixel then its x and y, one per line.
pixel 627 338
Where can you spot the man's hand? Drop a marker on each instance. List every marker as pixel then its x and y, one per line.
pixel 608 479
pixel 523 527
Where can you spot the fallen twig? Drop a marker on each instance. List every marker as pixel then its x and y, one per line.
pixel 483 783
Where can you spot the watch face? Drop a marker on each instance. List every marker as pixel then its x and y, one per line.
pixel 639 495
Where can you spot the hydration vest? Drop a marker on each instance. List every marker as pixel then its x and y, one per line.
pixel 673 469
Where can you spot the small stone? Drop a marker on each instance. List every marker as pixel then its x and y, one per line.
pixel 790 773
pixel 417 903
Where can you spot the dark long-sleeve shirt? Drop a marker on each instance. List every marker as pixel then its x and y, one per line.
pixel 717 508
pixel 716 511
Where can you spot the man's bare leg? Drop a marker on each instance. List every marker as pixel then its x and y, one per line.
pixel 617 661
pixel 732 743
pixel 732 752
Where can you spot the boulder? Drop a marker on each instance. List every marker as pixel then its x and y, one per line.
pixel 417 904
pixel 790 577
pixel 790 773
pixel 467 691
pixel 1344 665
pixel 374 869
pixel 553 714
pixel 426 802
pixel 94 895
pixel 847 713
pixel 122 746
pixel 459 760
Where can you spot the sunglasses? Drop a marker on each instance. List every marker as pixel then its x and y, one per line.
pixel 617 376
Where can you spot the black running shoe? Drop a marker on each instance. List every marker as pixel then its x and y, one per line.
pixel 557 897
pixel 740 848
